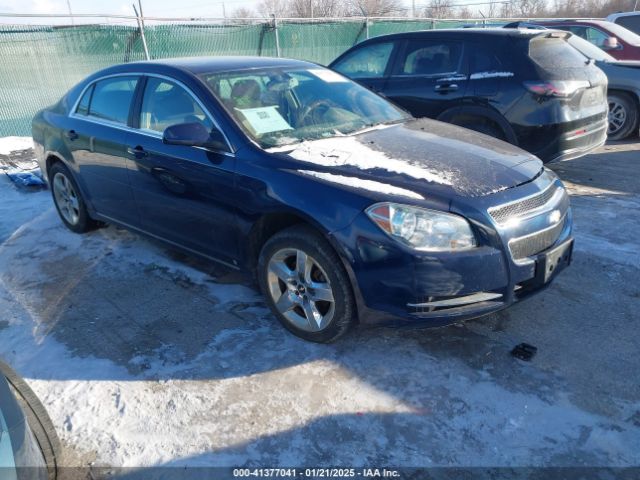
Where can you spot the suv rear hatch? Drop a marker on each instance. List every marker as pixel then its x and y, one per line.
pixel 567 75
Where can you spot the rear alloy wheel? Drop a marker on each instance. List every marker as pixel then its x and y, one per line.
pixel 623 116
pixel 68 200
pixel 305 285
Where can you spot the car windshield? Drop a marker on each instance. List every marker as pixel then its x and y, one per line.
pixel 589 50
pixel 281 106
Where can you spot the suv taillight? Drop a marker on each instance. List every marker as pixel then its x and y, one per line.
pixel 556 88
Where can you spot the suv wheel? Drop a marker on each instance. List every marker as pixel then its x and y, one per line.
pixel 68 200
pixel 305 285
pixel 480 125
pixel 623 116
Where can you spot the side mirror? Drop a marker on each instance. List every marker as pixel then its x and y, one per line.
pixel 611 43
pixel 194 134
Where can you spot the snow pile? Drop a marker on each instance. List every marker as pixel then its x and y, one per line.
pixel 14 144
pixel 349 151
pixel 482 75
pixel 370 185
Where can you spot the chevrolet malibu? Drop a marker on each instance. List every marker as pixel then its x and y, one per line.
pixel 346 208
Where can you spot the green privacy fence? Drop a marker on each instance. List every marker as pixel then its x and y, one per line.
pixel 39 63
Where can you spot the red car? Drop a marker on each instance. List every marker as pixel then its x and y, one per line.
pixel 617 41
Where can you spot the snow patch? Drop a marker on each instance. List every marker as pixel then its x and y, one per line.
pixel 370 185
pixel 14 144
pixel 348 151
pixel 481 75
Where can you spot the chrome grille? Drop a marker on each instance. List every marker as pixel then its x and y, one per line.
pixel 503 213
pixel 529 245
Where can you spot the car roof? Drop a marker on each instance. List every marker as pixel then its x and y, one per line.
pixel 613 16
pixel 199 65
pixel 465 33
pixel 561 21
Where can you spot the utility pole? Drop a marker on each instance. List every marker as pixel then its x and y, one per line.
pixel 413 8
pixel 70 12
pixel 141 27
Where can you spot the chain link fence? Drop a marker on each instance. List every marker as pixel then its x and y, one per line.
pixel 40 63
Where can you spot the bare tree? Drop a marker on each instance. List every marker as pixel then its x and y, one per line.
pixel 279 8
pixel 528 8
pixel 376 8
pixel 316 8
pixel 440 9
pixel 464 12
pixel 243 12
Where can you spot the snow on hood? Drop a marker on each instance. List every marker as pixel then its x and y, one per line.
pixel 422 155
pixel 349 151
pixel 361 183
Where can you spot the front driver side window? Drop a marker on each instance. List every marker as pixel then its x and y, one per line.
pixel 165 104
pixel 367 62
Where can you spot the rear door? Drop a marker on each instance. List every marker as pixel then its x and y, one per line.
pixel 429 76
pixel 369 64
pixel 96 138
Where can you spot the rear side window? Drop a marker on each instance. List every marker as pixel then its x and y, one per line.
pixel 430 58
pixel 485 61
pixel 632 22
pixel 369 61
pixel 83 106
pixel 554 53
pixel 111 99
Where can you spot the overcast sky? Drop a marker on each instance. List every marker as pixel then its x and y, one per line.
pixel 156 8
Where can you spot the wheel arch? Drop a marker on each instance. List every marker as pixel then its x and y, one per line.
pixel 480 112
pixel 270 223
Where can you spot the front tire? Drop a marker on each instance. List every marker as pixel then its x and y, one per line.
pixel 68 200
pixel 306 285
pixel 623 116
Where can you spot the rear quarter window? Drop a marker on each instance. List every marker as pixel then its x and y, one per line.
pixel 554 53
pixel 632 22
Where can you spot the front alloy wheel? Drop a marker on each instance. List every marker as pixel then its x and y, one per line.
pixel 300 289
pixel 306 285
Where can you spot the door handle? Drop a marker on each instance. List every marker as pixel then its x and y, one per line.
pixel 72 135
pixel 446 87
pixel 137 152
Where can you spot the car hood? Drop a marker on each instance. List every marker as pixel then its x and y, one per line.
pixel 420 156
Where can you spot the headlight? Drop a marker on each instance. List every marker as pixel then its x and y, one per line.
pixel 423 229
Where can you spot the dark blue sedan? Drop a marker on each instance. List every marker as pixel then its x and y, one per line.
pixel 349 210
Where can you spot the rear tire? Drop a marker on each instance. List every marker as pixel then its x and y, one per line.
pixel 481 125
pixel 68 200
pixel 306 285
pixel 623 116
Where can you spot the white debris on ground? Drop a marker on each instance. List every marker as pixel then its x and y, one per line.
pixel 252 393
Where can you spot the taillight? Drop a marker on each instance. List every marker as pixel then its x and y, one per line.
pixel 556 88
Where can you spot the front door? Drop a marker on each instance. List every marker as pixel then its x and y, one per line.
pixel 184 194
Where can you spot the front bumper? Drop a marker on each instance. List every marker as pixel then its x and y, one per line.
pixel 398 285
